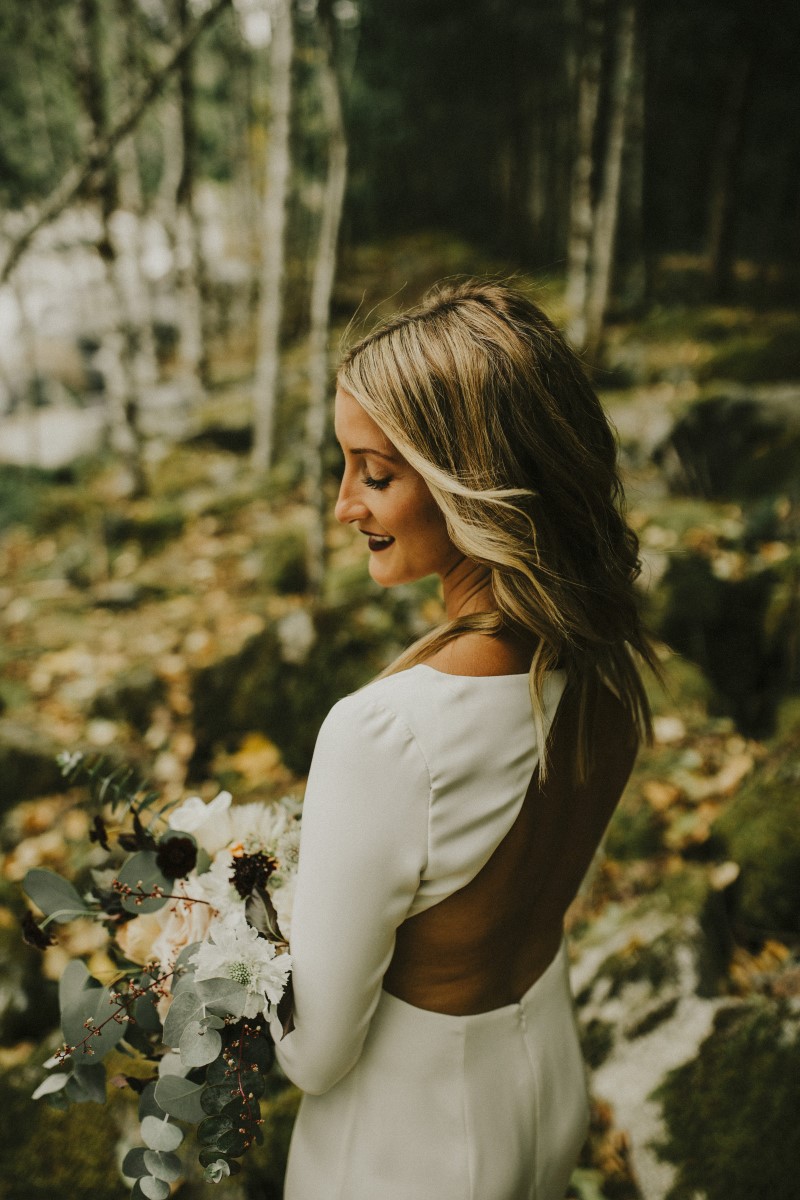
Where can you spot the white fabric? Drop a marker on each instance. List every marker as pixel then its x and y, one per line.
pixel 415 781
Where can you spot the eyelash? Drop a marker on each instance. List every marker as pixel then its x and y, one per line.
pixel 378 484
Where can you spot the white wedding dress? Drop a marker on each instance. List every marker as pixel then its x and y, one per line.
pixel 416 779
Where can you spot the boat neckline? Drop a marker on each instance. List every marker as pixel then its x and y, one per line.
pixel 451 675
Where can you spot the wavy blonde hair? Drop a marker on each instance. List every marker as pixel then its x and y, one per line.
pixel 480 393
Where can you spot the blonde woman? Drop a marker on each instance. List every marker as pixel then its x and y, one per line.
pixel 455 803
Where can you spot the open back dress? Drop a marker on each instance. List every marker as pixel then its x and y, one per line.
pixel 416 781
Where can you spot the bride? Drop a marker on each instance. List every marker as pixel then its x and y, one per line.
pixel 455 803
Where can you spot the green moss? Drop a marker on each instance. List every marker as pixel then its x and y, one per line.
pixel 762 357
pixel 635 831
pixel 45 1153
pixel 285 568
pixel 653 962
pixel 597 1041
pixel 151 525
pixel 731 1113
pixel 761 832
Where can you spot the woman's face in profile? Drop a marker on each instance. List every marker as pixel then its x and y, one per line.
pixel 388 501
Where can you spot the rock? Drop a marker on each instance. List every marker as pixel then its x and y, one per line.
pixel 28 764
pixel 132 697
pixel 266 687
pixel 761 833
pixel 731 1112
pixel 739 632
pixel 739 446
pixel 635 979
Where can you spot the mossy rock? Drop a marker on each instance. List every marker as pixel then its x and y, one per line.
pixel 738 632
pixel 28 764
pixel 260 690
pixel 653 963
pixel 131 697
pixel 46 1153
pixel 761 832
pixel 731 1113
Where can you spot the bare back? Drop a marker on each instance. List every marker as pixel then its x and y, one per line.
pixel 487 943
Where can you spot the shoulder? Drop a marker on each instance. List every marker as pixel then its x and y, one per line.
pixel 379 720
pixel 478 654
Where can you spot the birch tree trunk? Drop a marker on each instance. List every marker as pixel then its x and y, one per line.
pixel 588 23
pixel 189 255
pixel 607 210
pixel 321 292
pixel 117 339
pixel 273 236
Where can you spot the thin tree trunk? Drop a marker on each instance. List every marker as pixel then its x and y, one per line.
pixel 190 258
pixel 724 172
pixel 589 73
pixel 633 283
pixel 75 181
pixel 321 292
pixel 607 211
pixel 117 341
pixel 273 237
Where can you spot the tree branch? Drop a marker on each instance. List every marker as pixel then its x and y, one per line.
pixel 76 179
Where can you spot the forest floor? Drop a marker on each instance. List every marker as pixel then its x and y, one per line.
pixel 100 592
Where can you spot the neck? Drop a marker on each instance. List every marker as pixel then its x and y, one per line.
pixel 467 588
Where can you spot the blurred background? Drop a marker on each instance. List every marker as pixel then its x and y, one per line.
pixel 200 203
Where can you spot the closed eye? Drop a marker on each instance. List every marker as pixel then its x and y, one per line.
pixel 379 484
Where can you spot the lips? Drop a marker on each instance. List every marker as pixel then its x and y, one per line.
pixel 378 542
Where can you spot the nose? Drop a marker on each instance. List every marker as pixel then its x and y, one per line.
pixel 349 506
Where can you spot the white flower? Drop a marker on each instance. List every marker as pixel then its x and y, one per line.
pixel 283 901
pixel 209 823
pixel 287 849
pixel 255 827
pixel 234 950
pixel 214 885
pixel 216 1171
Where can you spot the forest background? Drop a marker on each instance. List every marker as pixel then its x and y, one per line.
pixel 199 204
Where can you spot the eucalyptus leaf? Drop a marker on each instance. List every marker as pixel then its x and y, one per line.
pixel 160 1135
pixel 233 1142
pixel 154 1189
pixel 141 871
pixel 92 1078
pixel 93 1008
pixel 210 1130
pixel 180 1098
pixel 56 897
pixel 185 1008
pixel 74 979
pixel 215 1099
pixel 223 996
pixel 199 1045
pixel 163 1166
pixel 53 1083
pixel 148 1105
pixel 133 1164
pixel 217 1072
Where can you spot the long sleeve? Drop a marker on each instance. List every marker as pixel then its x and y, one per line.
pixel 363 848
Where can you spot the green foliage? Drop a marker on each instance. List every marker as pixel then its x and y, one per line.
pixel 285 562
pixel 636 831
pixel 653 962
pixel 265 1166
pixel 68 1153
pixel 597 1041
pixel 765 357
pixel 731 1113
pixel 762 834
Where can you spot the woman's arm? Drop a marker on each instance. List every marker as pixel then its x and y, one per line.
pixel 363 848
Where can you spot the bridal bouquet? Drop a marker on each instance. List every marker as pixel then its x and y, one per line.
pixel 197 901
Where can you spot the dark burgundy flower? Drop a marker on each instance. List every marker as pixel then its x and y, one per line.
pixel 176 856
pixel 33 935
pixel 251 871
pixel 99 833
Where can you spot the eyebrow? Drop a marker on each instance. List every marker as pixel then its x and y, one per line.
pixel 376 453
